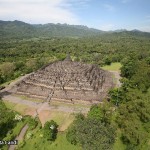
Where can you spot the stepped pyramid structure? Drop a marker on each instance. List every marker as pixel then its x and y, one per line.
pixel 67 81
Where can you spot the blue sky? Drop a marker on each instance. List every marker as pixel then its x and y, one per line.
pixel 101 14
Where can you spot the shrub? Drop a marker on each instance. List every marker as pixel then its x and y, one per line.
pixel 50 130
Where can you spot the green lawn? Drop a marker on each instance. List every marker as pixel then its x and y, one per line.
pixel 28 98
pixel 56 104
pixel 63 119
pixel 113 67
pixel 62 144
pixel 20 108
pixel 39 143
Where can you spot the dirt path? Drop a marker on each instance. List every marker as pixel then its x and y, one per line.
pixel 117 77
pixel 15 99
pixel 19 137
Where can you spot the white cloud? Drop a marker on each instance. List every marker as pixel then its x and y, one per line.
pixel 109 7
pixel 40 11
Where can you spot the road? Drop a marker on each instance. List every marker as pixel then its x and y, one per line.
pixel 20 137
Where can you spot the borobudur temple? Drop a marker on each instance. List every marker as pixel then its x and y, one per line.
pixel 67 81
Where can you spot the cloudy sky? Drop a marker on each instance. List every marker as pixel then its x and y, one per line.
pixel 100 14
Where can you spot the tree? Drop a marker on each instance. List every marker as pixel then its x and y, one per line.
pixel 116 96
pixel 72 130
pixel 30 65
pixel 133 119
pixel 92 134
pixel 94 131
pixel 7 121
pixel 7 68
pixel 50 130
pixel 107 61
pixel 128 69
pixel 141 78
pixel 95 112
pixel 6 71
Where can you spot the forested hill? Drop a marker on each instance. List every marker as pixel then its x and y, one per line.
pixel 18 29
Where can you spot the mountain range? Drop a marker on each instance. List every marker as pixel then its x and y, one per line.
pixel 20 30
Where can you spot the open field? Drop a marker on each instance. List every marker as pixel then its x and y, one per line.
pixel 20 108
pixel 57 104
pixel 39 143
pixel 63 119
pixel 113 67
pixel 28 98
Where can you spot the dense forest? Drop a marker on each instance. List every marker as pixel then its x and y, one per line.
pixel 124 116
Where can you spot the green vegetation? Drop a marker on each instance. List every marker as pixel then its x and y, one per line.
pixel 34 139
pixel 119 123
pixel 32 122
pixel 128 111
pixel 96 131
pixel 50 130
pixel 40 143
pixel 10 124
pixel 118 145
pixel 24 56
pixel 28 98
pixel 113 67
pixel 62 118
pixel 7 121
pixel 20 108
pixel 19 30
pixel 133 103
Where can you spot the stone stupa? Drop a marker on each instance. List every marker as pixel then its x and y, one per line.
pixel 67 81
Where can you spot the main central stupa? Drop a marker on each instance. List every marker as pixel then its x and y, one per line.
pixel 67 81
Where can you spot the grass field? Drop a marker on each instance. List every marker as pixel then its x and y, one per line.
pixel 112 67
pixel 70 105
pixel 28 98
pixel 39 143
pixel 20 108
pixel 63 119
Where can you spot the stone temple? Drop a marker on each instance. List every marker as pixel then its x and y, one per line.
pixel 67 81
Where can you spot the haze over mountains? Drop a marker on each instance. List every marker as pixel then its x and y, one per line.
pixel 19 29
